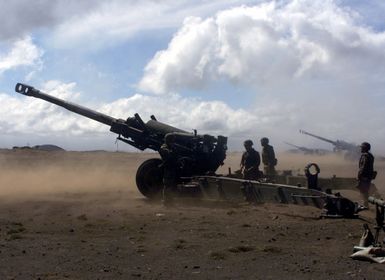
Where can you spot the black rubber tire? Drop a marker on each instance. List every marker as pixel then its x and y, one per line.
pixel 149 178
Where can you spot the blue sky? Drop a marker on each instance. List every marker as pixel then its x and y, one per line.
pixel 244 69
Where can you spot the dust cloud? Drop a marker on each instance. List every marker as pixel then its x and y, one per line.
pixel 78 215
pixel 29 173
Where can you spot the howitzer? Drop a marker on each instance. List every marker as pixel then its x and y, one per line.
pixel 339 145
pixel 303 149
pixel 197 154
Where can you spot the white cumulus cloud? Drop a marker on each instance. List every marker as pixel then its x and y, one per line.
pixel 266 45
pixel 23 52
pixel 115 21
pixel 311 65
pixel 33 116
pixel 188 59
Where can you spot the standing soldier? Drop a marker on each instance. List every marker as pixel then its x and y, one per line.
pixel 169 157
pixel 268 158
pixel 250 162
pixel 365 172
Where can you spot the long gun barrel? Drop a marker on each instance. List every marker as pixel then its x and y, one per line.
pixel 295 146
pixel 304 149
pixel 298 147
pixel 133 130
pixel 319 137
pixel 31 91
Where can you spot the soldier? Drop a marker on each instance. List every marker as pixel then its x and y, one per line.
pixel 169 157
pixel 365 172
pixel 250 162
pixel 268 158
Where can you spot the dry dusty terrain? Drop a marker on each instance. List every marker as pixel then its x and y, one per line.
pixel 72 215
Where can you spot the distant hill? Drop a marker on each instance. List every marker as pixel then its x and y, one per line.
pixel 48 147
pixel 45 147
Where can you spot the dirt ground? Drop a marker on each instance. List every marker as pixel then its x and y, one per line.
pixel 78 215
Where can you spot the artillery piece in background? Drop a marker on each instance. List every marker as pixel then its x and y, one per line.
pixel 198 154
pixel 351 150
pixel 308 151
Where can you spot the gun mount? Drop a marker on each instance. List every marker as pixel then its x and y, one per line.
pixel 352 150
pixel 197 154
pixel 370 248
pixel 380 217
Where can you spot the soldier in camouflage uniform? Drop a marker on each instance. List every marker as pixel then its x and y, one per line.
pixel 169 157
pixel 268 158
pixel 250 162
pixel 365 172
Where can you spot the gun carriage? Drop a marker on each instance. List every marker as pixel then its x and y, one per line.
pixel 369 247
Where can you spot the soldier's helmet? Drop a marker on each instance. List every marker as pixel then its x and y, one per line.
pixel 365 145
pixel 248 143
pixel 264 141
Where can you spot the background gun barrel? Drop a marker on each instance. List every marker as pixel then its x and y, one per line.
pixel 31 91
pixel 377 201
pixel 318 137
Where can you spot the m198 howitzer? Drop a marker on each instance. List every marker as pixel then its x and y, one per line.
pixel 338 145
pixel 197 154
pixel 307 151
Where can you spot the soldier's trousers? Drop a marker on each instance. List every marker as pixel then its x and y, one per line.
pixel 363 187
pixel 253 174
pixel 269 171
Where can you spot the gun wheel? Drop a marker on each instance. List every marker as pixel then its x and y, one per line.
pixel 149 178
